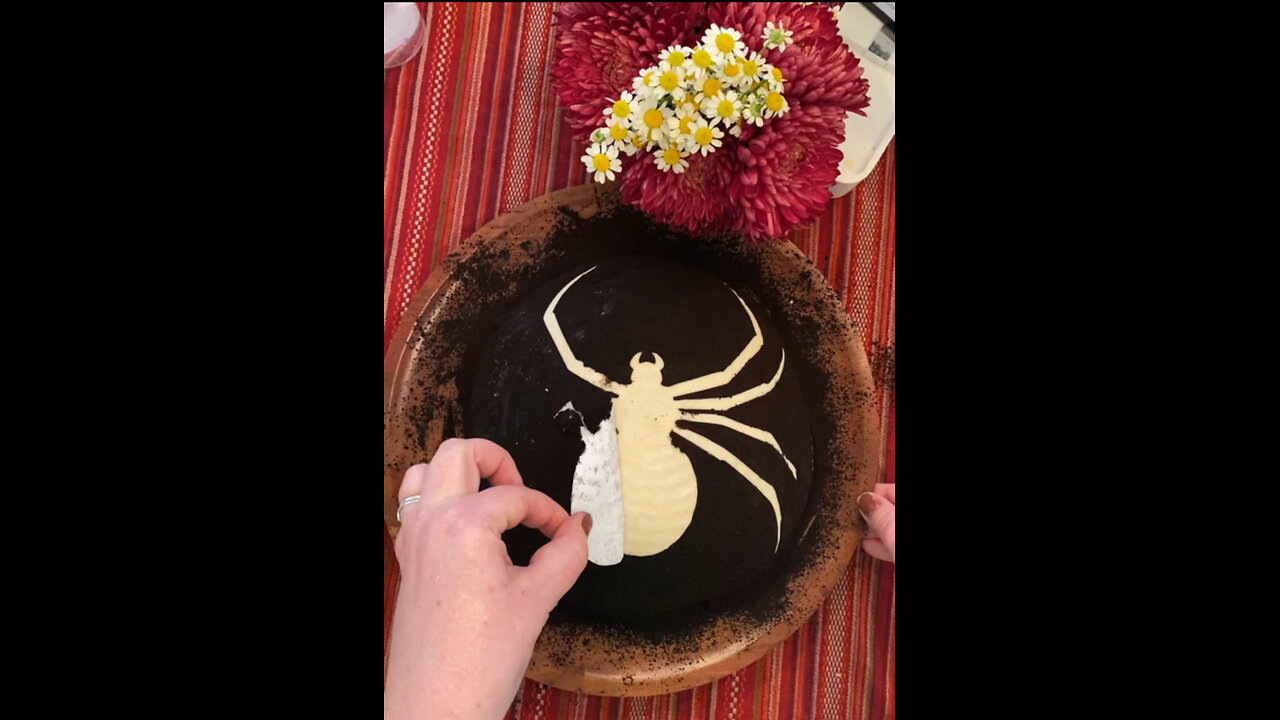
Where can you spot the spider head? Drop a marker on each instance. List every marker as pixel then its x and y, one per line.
pixel 647 373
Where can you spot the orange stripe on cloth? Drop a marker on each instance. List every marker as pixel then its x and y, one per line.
pixel 455 173
pixel 507 35
pixel 475 132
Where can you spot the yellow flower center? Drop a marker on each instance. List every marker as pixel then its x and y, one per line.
pixel 702 58
pixel 684 125
pixel 601 162
pixel 671 156
pixel 724 42
pixel 774 101
pixel 668 81
pixel 676 58
pixel 621 109
pixel 732 70
pixel 648 79
pixel 617 131
pixel 653 118
pixel 702 136
pixel 749 68
pixel 777 74
pixel 711 87
pixel 725 108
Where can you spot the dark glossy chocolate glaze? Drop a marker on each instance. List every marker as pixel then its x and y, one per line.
pixel 640 303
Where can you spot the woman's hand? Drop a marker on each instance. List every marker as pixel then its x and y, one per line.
pixel 466 619
pixel 878 509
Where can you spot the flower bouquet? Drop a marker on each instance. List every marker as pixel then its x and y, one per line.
pixel 719 117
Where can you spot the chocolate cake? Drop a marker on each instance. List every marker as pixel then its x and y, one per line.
pixel 731 554
pixel 697 326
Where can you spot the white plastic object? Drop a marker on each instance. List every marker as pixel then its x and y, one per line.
pixel 402 33
pixel 865 138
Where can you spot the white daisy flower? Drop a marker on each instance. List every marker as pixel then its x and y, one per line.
pixel 731 72
pixel 723 108
pixel 705 138
pixel 615 131
pixel 652 124
pixel 775 104
pixel 689 106
pixel 632 144
pixel 668 80
pixel 670 159
pixel 709 87
pixel 753 111
pixel 680 127
pixel 752 68
pixel 776 37
pixel 621 108
pixel 773 77
pixel 628 146
pixel 700 63
pixel 736 130
pixel 603 161
pixel 722 42
pixel 675 56
pixel 642 81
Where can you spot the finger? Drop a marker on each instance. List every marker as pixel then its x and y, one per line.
pixel 505 506
pixel 556 566
pixel 877 550
pixel 887 490
pixel 880 515
pixel 459 464
pixel 494 463
pixel 412 483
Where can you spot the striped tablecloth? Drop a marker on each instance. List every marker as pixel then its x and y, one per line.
pixel 471 130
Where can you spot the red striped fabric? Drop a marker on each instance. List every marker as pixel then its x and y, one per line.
pixel 471 130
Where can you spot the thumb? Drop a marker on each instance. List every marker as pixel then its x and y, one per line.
pixel 556 566
pixel 880 515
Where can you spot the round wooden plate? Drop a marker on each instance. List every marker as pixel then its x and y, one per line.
pixel 526 247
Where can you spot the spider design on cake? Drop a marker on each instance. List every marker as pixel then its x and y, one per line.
pixel 651 479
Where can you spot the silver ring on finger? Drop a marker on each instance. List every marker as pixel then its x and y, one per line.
pixel 406 503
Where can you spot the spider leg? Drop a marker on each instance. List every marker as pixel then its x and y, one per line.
pixel 720 453
pixel 724 377
pixel 763 436
pixel 574 365
pixel 725 403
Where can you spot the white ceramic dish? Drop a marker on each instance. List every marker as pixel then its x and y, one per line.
pixel 866 137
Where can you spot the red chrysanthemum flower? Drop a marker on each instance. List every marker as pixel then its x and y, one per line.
pixel 601 47
pixel 784 171
pixel 693 200
pixel 770 180
pixel 817 66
